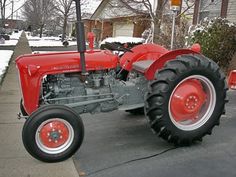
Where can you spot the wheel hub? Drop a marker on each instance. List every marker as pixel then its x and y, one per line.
pixel 54 134
pixel 187 100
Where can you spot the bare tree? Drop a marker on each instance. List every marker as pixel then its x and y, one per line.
pixel 156 13
pixel 145 6
pixel 3 5
pixel 64 8
pixel 39 12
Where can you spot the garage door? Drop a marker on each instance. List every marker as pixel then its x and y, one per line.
pixel 123 29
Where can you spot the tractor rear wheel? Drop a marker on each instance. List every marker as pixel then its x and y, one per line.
pixel 187 99
pixel 53 133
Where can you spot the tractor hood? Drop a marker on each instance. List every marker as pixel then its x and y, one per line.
pixel 66 62
pixel 32 69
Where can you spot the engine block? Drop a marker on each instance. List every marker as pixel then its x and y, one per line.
pixel 100 91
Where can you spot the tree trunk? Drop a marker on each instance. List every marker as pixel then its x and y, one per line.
pixel 158 21
pixel 64 28
pixel 2 17
pixel 41 31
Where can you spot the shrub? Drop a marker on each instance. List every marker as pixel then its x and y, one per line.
pixel 217 38
pixel 181 30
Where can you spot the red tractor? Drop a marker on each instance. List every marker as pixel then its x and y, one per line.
pixel 183 93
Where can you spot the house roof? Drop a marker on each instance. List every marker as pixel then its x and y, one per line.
pixel 89 7
pixel 109 9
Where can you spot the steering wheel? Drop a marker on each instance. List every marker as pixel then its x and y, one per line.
pixel 118 47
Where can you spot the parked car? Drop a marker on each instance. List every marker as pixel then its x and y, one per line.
pixel 5 36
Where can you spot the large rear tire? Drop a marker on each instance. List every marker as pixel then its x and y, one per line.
pixel 53 133
pixel 187 99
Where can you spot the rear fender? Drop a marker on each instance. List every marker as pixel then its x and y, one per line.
pixel 232 80
pixel 141 52
pixel 158 64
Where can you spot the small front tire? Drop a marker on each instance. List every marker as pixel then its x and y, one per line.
pixel 53 133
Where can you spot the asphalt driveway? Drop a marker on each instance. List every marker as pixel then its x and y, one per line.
pixel 119 144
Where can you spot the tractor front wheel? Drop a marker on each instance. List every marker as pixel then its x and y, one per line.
pixel 53 133
pixel 187 99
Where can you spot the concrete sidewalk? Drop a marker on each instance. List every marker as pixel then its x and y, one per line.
pixel 14 160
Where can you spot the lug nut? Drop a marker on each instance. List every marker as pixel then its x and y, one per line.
pixel 56 141
pixel 50 140
pixel 60 137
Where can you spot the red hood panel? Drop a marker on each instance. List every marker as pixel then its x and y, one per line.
pixel 32 68
pixel 95 60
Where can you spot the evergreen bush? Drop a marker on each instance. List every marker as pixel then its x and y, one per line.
pixel 217 38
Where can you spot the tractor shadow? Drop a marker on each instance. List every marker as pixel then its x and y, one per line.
pixel 115 138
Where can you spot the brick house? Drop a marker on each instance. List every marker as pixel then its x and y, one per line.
pixel 112 18
pixel 13 24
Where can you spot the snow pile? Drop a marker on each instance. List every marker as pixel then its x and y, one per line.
pixel 49 43
pixel 5 56
pixel 123 40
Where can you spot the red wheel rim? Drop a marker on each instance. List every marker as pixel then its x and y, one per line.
pixel 54 136
pixel 192 102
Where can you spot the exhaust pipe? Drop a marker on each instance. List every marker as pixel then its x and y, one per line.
pixel 81 46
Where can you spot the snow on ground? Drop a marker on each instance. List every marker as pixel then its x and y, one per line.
pixel 36 38
pixel 35 41
pixel 13 39
pixel 49 43
pixel 123 40
pixel 5 56
pixel 16 35
pixel 10 43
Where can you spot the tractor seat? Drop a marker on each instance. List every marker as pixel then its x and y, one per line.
pixel 142 66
